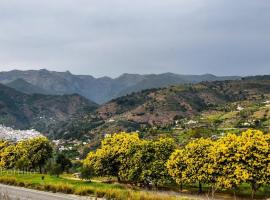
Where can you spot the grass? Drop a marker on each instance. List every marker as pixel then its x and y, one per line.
pixel 244 191
pixel 66 185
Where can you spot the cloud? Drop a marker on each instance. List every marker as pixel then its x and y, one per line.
pixel 104 37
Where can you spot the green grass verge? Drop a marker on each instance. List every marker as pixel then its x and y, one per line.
pixel 66 184
pixel 78 187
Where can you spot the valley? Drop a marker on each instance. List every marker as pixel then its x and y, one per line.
pixel 134 100
pixel 183 111
pixel 90 148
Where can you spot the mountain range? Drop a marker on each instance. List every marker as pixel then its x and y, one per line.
pixel 69 115
pixel 99 90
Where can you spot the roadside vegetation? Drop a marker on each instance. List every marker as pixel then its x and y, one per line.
pixel 128 167
pixel 65 184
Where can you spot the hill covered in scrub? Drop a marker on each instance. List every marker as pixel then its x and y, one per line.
pixel 219 104
pixel 27 111
pixel 163 106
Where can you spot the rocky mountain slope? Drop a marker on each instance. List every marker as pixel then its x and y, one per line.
pixel 99 90
pixel 25 111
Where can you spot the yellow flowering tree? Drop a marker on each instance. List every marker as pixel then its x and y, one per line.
pixel 176 166
pixel 253 152
pixel 145 162
pixel 193 163
pixel 9 157
pixel 107 160
pixel 36 152
pixel 230 172
pixel 198 161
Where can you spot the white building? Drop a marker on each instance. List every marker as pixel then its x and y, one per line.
pixel 8 133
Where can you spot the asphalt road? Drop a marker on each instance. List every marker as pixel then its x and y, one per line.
pixel 18 193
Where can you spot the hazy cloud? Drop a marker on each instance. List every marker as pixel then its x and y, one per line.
pixel 110 37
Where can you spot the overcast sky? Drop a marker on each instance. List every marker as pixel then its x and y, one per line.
pixel 110 37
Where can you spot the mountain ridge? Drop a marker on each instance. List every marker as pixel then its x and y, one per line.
pixel 103 89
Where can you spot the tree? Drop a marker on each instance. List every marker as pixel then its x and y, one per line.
pixel 37 151
pixel 87 173
pixel 58 164
pixel 163 149
pixel 198 162
pixel 107 160
pixel 229 170
pixel 3 145
pixel 53 168
pixel 23 163
pixel 176 166
pixel 9 156
pixel 145 163
pixel 253 153
pixel 64 162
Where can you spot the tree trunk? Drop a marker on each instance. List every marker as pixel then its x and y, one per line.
pixel 234 195
pixel 213 192
pixel 254 188
pixel 200 188
pixel 181 186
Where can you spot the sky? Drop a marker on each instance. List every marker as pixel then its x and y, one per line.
pixel 111 37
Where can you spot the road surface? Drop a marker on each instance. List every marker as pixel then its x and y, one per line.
pixel 18 193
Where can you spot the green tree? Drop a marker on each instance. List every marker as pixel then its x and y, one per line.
pixel 37 151
pixel 87 173
pixel 64 162
pixel 53 168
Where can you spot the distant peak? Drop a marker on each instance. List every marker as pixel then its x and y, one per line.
pixel 44 70
pixel 128 75
pixel 208 74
